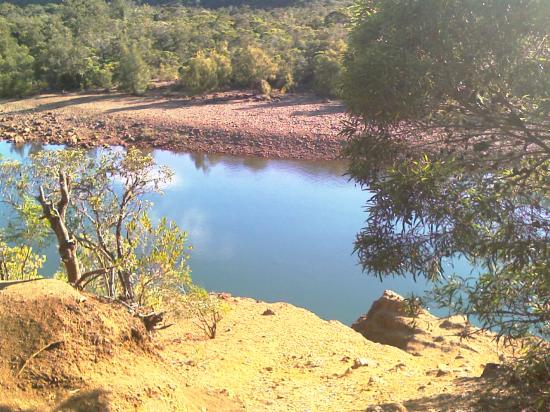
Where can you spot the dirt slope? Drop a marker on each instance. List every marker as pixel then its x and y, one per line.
pixel 289 361
pixel 239 123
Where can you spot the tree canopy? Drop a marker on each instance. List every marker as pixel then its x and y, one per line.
pixel 78 45
pixel 452 136
pixel 452 101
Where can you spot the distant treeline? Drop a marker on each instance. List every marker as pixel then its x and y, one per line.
pixel 90 44
pixel 196 3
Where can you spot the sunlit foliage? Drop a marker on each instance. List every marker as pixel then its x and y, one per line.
pixel 83 44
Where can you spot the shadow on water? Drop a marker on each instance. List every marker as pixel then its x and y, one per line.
pixel 314 168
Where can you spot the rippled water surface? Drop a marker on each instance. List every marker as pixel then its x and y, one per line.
pixel 270 229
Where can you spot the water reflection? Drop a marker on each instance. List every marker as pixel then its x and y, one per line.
pixel 313 168
pixel 25 149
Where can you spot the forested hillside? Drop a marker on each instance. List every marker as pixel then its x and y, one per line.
pixel 203 3
pixel 87 44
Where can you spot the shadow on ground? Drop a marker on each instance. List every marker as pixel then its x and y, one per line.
pixel 478 395
pixel 96 400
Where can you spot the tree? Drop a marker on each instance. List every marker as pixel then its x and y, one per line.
pixel 56 214
pixel 452 137
pixel 16 65
pixel 327 73
pixel 78 44
pixel 95 206
pixel 251 65
pixel 133 72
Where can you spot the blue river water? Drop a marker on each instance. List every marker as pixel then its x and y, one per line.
pixel 273 230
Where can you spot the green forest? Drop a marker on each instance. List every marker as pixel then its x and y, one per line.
pixel 96 44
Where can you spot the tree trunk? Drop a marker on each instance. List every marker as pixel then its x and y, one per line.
pixel 128 290
pixel 67 245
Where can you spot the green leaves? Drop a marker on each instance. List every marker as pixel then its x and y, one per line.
pixel 453 141
pixel 98 44
pixel 19 262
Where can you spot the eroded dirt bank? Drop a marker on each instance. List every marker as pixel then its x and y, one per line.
pixel 238 123
pixel 287 359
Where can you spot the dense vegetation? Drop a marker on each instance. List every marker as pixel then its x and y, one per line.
pixel 204 3
pixel 86 44
pixel 453 139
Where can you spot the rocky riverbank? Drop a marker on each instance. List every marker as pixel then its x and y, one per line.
pixel 237 123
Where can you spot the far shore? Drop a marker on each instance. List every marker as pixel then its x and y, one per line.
pixel 295 126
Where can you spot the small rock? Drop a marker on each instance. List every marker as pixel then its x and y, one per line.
pixel 376 380
pixel 493 370
pixel 314 363
pixel 442 370
pixel 357 363
pixel 268 312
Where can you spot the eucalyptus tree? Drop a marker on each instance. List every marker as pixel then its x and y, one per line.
pixel 451 134
pixel 97 208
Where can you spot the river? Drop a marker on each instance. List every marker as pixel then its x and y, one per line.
pixel 273 230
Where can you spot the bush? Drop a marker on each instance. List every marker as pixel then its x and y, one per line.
pixel 19 262
pixel 206 309
pixel 96 75
pixel 133 72
pixel 159 263
pixel 532 372
pixel 200 74
pixel 251 65
pixel 168 64
pixel 327 74
pixel 265 88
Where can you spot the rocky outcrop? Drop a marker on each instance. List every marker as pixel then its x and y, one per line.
pixel 392 320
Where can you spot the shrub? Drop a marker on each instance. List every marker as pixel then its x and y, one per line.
pixel 265 88
pixel 327 74
pixel 251 65
pixel 133 72
pixel 206 309
pixel 200 74
pixel 19 262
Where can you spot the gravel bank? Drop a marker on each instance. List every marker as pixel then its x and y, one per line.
pixel 240 123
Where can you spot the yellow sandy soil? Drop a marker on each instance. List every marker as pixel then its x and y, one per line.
pixel 290 361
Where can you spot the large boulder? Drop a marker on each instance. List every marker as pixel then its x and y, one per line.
pixel 392 320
